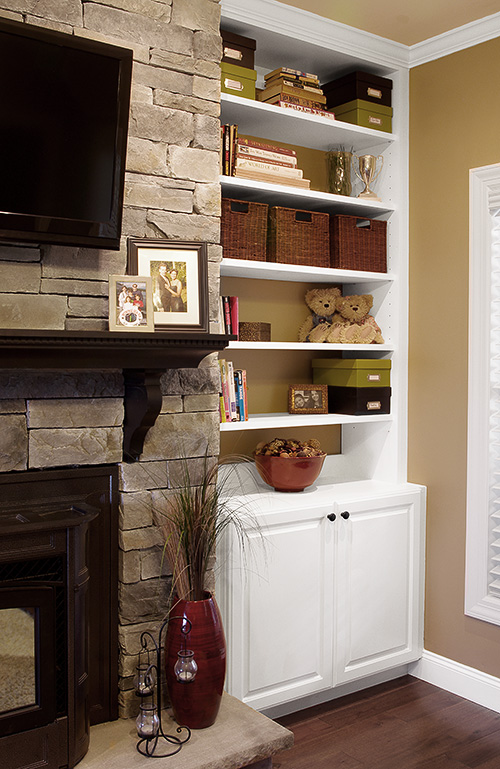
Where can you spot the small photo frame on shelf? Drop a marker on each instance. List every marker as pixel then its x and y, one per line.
pixel 130 303
pixel 308 399
pixel 179 274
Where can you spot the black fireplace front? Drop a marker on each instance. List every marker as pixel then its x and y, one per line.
pixel 48 543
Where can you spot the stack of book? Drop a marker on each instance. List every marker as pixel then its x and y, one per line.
pixel 233 401
pixel 291 88
pixel 267 163
pixel 228 314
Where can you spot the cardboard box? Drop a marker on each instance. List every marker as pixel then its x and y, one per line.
pixel 359 401
pixel 237 49
pixel 355 372
pixel 361 112
pixel 358 85
pixel 238 81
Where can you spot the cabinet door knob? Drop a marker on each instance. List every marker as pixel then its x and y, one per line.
pixel 331 516
pixel 345 515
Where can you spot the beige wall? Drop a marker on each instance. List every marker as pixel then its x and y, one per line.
pixel 454 126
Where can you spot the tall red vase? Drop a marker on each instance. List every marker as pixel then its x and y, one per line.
pixel 196 704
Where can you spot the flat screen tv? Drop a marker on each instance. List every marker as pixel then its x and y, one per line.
pixel 64 107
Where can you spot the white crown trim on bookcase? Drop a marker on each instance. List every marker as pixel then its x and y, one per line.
pixel 323 32
pixel 455 40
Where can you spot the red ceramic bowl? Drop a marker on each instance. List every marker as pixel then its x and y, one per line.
pixel 288 473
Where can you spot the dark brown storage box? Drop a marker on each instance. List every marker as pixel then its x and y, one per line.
pixel 237 49
pixel 358 85
pixel 358 244
pixel 298 237
pixel 244 229
pixel 359 400
pixel 249 331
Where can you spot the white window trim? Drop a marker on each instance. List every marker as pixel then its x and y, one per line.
pixel 484 195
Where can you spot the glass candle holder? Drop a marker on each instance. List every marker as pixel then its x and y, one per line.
pixel 144 681
pixel 147 722
pixel 185 668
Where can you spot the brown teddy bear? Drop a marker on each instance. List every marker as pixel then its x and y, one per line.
pixel 322 302
pixel 352 323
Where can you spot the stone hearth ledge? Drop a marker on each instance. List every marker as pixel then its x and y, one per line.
pixel 241 737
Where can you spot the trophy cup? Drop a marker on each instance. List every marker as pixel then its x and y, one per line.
pixel 368 173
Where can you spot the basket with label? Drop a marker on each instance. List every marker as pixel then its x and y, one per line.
pixel 244 229
pixel 358 244
pixel 298 237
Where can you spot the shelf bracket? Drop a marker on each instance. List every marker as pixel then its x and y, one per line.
pixel 142 405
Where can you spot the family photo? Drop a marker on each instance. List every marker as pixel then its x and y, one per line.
pixel 169 286
pixel 130 303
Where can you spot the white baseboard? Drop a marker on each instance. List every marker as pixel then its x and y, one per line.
pixel 454 677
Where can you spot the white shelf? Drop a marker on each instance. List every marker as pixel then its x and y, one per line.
pixel 246 268
pixel 295 197
pixel 275 421
pixel 270 122
pixel 306 346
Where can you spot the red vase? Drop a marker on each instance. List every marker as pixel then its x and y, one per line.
pixel 196 704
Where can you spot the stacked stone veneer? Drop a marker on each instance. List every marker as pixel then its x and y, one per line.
pixel 54 419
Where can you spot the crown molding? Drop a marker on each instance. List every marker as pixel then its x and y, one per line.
pixel 309 27
pixel 318 30
pixel 454 40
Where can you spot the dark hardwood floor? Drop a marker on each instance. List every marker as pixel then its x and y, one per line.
pixel 402 724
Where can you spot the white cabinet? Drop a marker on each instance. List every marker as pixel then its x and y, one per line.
pixel 330 592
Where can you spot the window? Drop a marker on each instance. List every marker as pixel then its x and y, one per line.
pixel 482 588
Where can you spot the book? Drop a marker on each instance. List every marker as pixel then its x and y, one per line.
pixel 240 397
pixel 294 100
pixel 245 393
pixel 291 90
pixel 227 314
pixel 295 78
pixel 255 153
pixel 272 178
pixel 308 110
pixel 232 391
pixel 224 389
pixel 234 312
pixel 262 165
pixel 283 81
pixel 263 146
pixel 289 71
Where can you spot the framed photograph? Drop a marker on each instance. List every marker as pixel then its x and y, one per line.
pixel 178 270
pixel 130 303
pixel 308 399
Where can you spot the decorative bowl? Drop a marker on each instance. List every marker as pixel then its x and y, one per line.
pixel 288 473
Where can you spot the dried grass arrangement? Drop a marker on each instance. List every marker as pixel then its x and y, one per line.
pixel 195 516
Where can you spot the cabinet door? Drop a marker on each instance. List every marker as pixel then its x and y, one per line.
pixel 280 610
pixel 378 583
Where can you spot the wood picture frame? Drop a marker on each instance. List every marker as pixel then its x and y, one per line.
pixel 179 274
pixel 308 399
pixel 130 303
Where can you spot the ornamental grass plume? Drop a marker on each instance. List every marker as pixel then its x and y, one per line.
pixel 195 516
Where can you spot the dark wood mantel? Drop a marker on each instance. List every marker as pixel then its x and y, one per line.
pixel 142 356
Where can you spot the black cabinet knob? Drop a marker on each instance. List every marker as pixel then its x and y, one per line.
pixel 331 516
pixel 345 515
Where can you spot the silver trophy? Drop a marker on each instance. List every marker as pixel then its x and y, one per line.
pixel 368 173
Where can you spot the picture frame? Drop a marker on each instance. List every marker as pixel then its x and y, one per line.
pixel 130 303
pixel 308 399
pixel 179 275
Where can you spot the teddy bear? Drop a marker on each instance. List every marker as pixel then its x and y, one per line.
pixel 352 323
pixel 323 303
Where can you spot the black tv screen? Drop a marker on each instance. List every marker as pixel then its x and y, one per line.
pixel 64 106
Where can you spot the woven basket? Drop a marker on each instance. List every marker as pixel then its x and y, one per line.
pixel 358 244
pixel 244 229
pixel 298 237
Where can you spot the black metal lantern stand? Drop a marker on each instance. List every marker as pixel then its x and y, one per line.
pixel 148 686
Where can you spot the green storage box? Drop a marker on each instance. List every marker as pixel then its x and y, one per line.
pixel 355 372
pixel 239 81
pixel 361 112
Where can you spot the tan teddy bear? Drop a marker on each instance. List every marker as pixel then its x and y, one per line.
pixel 322 302
pixel 352 323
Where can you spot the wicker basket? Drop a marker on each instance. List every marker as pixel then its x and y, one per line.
pixel 358 244
pixel 244 229
pixel 298 237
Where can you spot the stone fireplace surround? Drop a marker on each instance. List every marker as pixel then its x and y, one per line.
pixel 67 415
